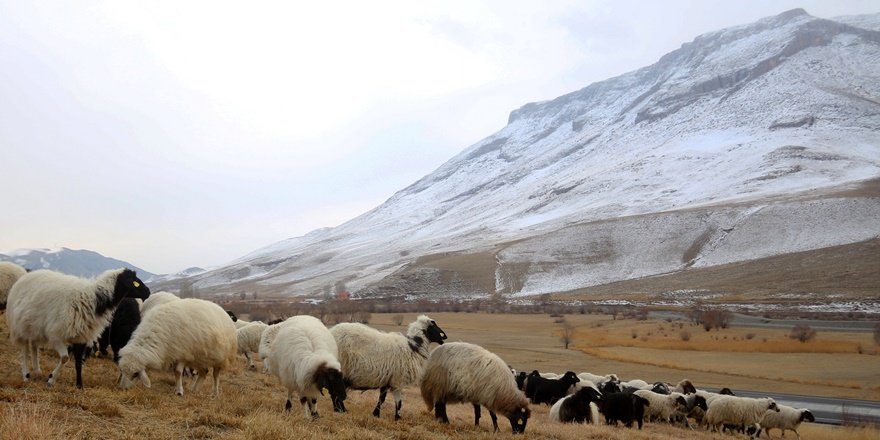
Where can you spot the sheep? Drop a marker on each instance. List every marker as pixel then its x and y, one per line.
pixel 463 372
pixel 696 406
pixel 599 380
pixel 249 340
pixel 125 320
pixel 550 390
pixel 684 386
pixel 57 310
pixel 188 332
pixel 786 418
pixel 305 358
pixel 623 407
pixel 698 413
pixel 157 299
pixel 9 274
pixel 576 407
pixel 373 359
pixel 663 406
pixel 738 411
pixel 266 339
pixel 240 323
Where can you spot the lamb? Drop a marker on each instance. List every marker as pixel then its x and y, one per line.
pixel 305 358
pixel 550 390
pixel 576 407
pixel 663 406
pixel 739 411
pixel 786 418
pixel 373 359
pixel 125 320
pixel 157 299
pixel 623 407
pixel 463 372
pixel 57 310
pixel 188 332
pixel 9 274
pixel 249 340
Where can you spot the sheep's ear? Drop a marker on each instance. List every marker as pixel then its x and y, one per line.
pixel 136 284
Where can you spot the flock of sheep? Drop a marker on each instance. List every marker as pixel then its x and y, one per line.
pixel 162 332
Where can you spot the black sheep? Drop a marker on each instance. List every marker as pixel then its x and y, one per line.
pixel 125 319
pixel 576 408
pixel 623 407
pixel 530 385
pixel 521 380
pixel 550 390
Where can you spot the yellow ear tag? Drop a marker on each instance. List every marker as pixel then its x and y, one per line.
pixel 137 284
pixel 520 422
pixel 324 391
pixel 442 335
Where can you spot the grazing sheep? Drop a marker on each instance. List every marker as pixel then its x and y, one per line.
pixel 786 418
pixel 304 356
pixel 57 310
pixel 550 390
pixel 576 408
pixel 157 299
pixel 623 407
pixel 249 340
pixel 461 372
pixel 696 404
pixel 9 274
pixel 663 406
pixel 266 339
pixel 188 332
pixel 373 359
pixel 125 320
pixel 737 411
pixel 637 384
pixel 599 380
pixel 684 386
pixel 698 413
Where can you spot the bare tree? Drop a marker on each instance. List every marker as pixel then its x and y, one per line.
pixel 802 332
pixel 567 333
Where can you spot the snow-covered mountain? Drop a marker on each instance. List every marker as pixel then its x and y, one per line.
pixel 81 262
pixel 741 144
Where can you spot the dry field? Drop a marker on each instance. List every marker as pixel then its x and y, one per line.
pixel 251 404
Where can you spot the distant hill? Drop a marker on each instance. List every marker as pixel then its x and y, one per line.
pixel 83 263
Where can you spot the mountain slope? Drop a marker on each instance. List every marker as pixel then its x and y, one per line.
pixel 82 263
pixel 689 158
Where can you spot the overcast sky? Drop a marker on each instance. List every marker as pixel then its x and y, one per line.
pixel 183 133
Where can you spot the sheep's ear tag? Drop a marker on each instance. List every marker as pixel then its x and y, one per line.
pixel 519 422
pixel 442 335
pixel 136 284
pixel 324 391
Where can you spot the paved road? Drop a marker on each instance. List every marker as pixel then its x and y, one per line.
pixel 827 410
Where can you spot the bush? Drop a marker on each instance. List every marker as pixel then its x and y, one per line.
pixel 685 335
pixel 750 336
pixel 802 332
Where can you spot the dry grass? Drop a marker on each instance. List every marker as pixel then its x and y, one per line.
pixel 251 405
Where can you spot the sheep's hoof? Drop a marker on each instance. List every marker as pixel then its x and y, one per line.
pixel 376 413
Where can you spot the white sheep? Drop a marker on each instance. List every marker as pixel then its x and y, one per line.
pixel 265 347
pixel 185 333
pixel 304 357
pixel 637 384
pixel 241 323
pixel 463 372
pixel 598 380
pixel 372 359
pixel 739 411
pixel 249 340
pixel 157 299
pixel 787 418
pixel 663 406
pixel 56 310
pixel 9 274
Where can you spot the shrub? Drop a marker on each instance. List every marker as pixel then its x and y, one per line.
pixel 685 335
pixel 750 336
pixel 802 332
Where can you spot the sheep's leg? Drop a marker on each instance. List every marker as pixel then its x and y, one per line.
pixel 288 405
pixel 79 352
pixel 35 358
pixel 25 351
pixel 440 411
pixel 476 414
pixel 383 392
pixel 216 391
pixel 398 403
pixel 61 348
pixel 250 362
pixel 179 369
pixel 494 420
pixel 198 382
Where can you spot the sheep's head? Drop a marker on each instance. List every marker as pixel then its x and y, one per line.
pixel 700 402
pixel 518 419
pixel 609 387
pixel 232 315
pixel 771 405
pixel 807 415
pixel 329 380
pixel 570 378
pixel 129 285
pixel 589 394
pixel 681 402
pixel 427 327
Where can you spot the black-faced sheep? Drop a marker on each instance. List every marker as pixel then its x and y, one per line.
pixel 737 411
pixel 249 340
pixel 623 407
pixel 57 310
pixel 467 373
pixel 9 274
pixel 787 418
pixel 188 332
pixel 576 408
pixel 548 391
pixel 372 359
pixel 304 357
